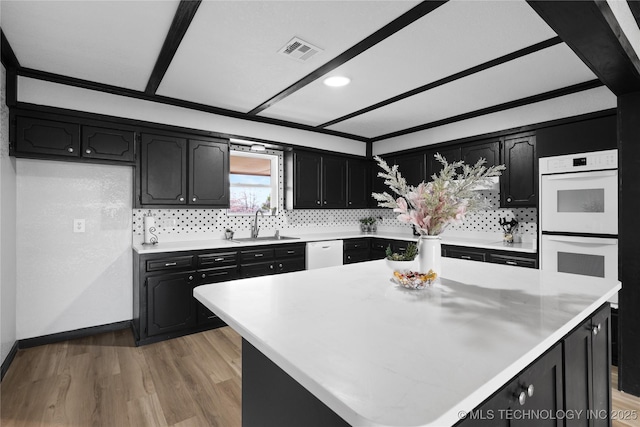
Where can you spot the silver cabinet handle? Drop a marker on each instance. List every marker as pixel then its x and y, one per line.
pixel 522 398
pixel 70 149
pixel 509 199
pixel 258 255
pixel 280 265
pixel 190 277
pixel 194 199
pixel 291 252
pixel 271 266
pixel 181 199
pixel 88 151
pixel 317 202
pixel 204 275
pixel 350 203
pixel 530 390
pixel 596 329
pixel 170 264
pixel 511 262
pixel 325 202
pixel 219 259
pixel 465 257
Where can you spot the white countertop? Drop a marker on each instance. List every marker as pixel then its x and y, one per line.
pixel 477 240
pixel 380 355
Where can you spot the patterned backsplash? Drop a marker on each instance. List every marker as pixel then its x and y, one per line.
pixel 191 221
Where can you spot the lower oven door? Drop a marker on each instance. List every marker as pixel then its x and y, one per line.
pixel 590 256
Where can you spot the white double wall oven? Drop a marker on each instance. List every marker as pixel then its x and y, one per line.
pixel 578 207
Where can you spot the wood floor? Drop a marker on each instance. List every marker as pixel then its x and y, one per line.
pixel 104 380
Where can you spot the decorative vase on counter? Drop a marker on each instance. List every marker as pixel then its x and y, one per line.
pixel 430 254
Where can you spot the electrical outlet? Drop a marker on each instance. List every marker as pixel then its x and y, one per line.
pixel 78 225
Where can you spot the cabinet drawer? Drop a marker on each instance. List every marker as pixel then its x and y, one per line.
pixel 356 244
pixel 256 255
pixel 356 256
pixel 511 260
pixel 257 269
pixel 290 264
pixel 290 251
pixel 379 245
pixel 215 275
pixel 219 259
pixel 171 263
pixel 464 254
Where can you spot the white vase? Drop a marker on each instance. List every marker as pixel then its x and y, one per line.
pixel 430 254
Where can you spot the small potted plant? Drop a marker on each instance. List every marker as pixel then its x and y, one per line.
pixel 402 261
pixel 368 225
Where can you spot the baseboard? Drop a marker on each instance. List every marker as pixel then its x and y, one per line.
pixel 71 335
pixel 7 361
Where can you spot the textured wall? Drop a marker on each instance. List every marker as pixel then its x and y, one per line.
pixel 8 282
pixel 68 280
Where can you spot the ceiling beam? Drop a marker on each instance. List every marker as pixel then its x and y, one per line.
pixel 469 71
pixel 388 30
pixel 634 5
pixel 9 59
pixel 181 21
pixel 591 84
pixel 589 28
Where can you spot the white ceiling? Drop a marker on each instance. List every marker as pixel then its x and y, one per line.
pixel 228 57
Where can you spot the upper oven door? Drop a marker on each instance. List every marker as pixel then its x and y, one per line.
pixel 584 202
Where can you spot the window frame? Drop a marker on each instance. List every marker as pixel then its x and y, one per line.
pixel 274 158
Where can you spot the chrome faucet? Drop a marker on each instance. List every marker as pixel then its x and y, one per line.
pixel 255 229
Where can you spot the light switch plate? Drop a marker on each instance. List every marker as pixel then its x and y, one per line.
pixel 78 225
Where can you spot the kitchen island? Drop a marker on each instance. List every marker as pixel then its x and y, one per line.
pixel 376 354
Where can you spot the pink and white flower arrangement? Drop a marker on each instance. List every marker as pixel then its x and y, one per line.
pixel 432 206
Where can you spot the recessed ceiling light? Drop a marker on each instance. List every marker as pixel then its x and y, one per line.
pixel 337 81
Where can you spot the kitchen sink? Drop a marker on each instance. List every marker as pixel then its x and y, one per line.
pixel 263 239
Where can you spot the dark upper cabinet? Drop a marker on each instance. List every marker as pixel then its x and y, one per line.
pixel 163 170
pixel 326 181
pixel 451 154
pixel 411 167
pixel 53 136
pixel 208 173
pixel 358 183
pixel 40 136
pixel 307 181
pixel 334 182
pixel 177 171
pixel 108 144
pixel 518 182
pixel 489 150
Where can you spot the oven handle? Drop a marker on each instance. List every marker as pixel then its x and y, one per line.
pixel 581 175
pixel 581 239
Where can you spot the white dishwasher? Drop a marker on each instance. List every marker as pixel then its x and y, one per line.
pixel 324 254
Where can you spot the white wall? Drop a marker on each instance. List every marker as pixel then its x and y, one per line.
pixel 8 282
pixel 63 96
pixel 68 280
pixel 584 102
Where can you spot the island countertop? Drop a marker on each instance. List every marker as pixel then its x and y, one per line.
pixel 381 355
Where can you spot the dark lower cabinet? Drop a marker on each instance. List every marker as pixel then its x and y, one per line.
pixel 171 303
pixel 276 259
pixel 356 250
pixel 163 302
pixel 587 370
pixel 466 253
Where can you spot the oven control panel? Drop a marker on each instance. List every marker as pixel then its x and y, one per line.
pixel 597 160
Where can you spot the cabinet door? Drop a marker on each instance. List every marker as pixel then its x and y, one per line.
pixel 40 136
pixel 257 269
pixel 208 173
pixel 163 170
pixel 490 151
pixel 171 306
pixel 287 265
pixel 307 185
pixel 379 248
pixel 358 188
pixel 451 154
pixel 334 182
pixel 108 144
pixel 518 182
pixel 412 167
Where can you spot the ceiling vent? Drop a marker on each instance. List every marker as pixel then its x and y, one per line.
pixel 299 50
